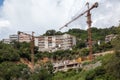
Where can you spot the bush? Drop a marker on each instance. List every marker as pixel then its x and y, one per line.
pixel 9 55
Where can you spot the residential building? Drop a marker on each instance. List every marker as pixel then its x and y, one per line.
pixel 56 42
pixel 36 41
pixel 108 38
pixel 6 41
pixel 13 37
pixel 24 37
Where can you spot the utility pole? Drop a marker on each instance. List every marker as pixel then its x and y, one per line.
pixel 89 22
pixel 32 51
pixel 31 48
pixel 119 23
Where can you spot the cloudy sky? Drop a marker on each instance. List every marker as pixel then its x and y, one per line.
pixel 42 15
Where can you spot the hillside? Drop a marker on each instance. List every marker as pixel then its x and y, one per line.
pixel 109 70
pixel 15 59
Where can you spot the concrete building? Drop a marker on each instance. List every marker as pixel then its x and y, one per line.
pixel 66 65
pixel 36 41
pixel 108 38
pixel 13 37
pixel 24 37
pixel 56 42
pixel 6 41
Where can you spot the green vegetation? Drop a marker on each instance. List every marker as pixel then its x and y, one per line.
pixel 97 34
pixel 52 32
pixel 108 71
pixel 8 53
pixel 12 71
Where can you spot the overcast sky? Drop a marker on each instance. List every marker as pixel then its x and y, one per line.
pixel 42 15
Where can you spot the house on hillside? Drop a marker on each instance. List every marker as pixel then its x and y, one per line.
pixel 108 38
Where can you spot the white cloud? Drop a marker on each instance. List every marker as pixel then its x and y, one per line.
pixel 41 15
pixel 4 23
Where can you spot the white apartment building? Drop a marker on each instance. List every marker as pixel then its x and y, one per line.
pixel 56 42
pixel 6 41
pixel 13 37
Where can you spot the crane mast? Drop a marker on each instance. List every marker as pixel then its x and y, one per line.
pixel 89 22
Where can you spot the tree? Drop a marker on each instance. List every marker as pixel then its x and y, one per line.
pixel 96 74
pixel 84 52
pixel 13 71
pixel 24 50
pixel 8 53
pixel 50 32
pixel 45 72
pixel 80 44
pixel 116 43
pixel 113 67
